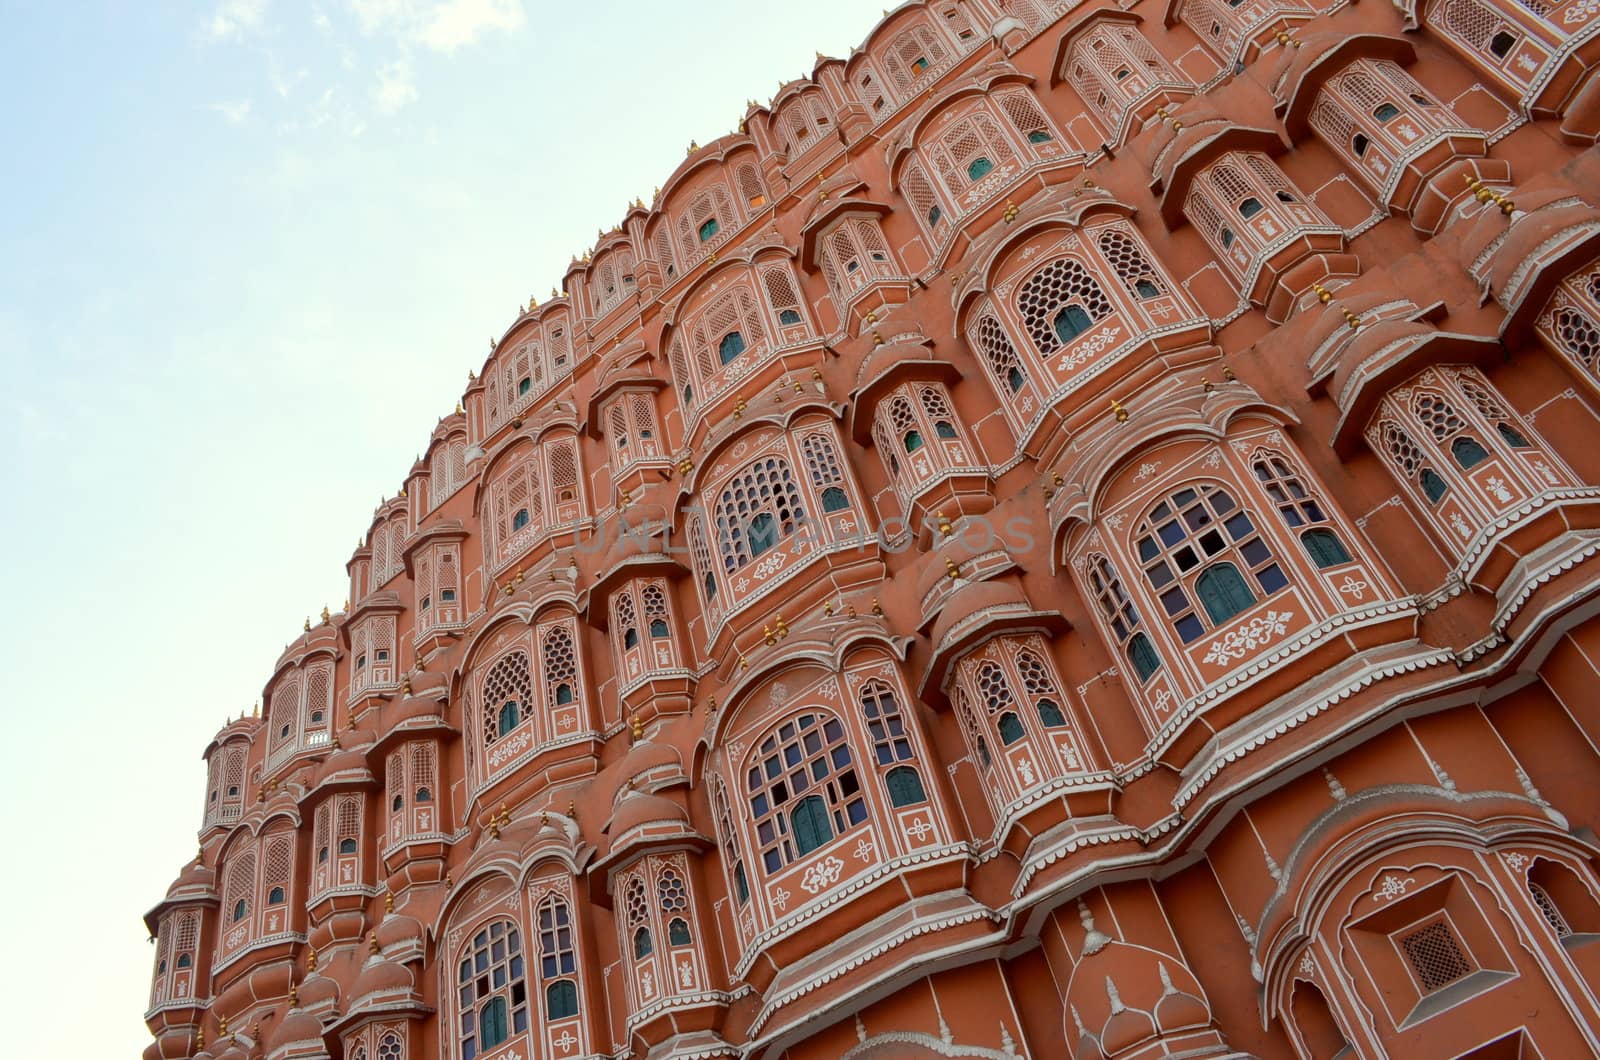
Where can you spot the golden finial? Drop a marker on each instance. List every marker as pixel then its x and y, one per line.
pixel 200 1039
pixel 492 344
pixel 744 664
pixel 572 809
pixel 308 624
pixel 294 996
pixel 255 711
pixel 1352 320
pixel 325 614
pixel 388 901
pixel 656 194
pixel 553 293
pixel 783 627
pixel 311 960
pixel 222 1025
pixel 768 635
pixel 944 525
pixel 693 147
pixel 636 727
pixel 1323 294
pixel 827 609
pixel 738 408
pixel 1011 212
pixel 685 464
pixel 517 578
pixel 449 881
pixel 372 942
pixel 877 608
pixel 1206 384
pixel 1122 413
pixel 951 569
pixel 472 377
pixel 200 856
pixel 1227 373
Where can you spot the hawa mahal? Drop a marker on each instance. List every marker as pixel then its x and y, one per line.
pixel 1072 533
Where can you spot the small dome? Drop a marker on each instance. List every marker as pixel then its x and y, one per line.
pixel 398 929
pixel 973 598
pixel 638 809
pixel 1125 1027
pixel 379 977
pixel 318 991
pixel 645 756
pixel 233 1052
pixel 299 1028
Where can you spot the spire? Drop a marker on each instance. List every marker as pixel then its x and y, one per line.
pixel 1335 788
pixel 1093 939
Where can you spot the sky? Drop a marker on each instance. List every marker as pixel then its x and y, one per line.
pixel 249 250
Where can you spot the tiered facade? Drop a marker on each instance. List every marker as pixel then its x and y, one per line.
pixel 1072 533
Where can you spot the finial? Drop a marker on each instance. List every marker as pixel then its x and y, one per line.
pixel 572 809
pixel 325 614
pixel 1094 940
pixel 1011 212
pixel 951 569
pixel 294 996
pixel 767 635
pixel 877 608
pixel 311 960
pixel 783 627
pixel 388 901
pixel 222 1026
pixel 1116 998
pixel 1335 788
pixel 636 727
pixel 827 609
pixel 372 942
pixel 308 624
pixel 1121 413
pixel 1227 373
pixel 200 856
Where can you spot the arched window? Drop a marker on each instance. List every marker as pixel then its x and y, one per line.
pixel 731 346
pixel 637 905
pixel 505 689
pixel 1386 112
pixel 978 168
pixel 678 932
pixel 241 909
pixel 1201 531
pixel 519 520
pixel 642 946
pixel 1122 617
pixel 1468 452
pixel 655 610
pixel 708 228
pixel 491 989
pixel 803 789
pixel 1059 302
pixel 559 656
pixel 760 507
pixel 275 896
pixel 1299 507
pixel 1010 727
pixel 347 846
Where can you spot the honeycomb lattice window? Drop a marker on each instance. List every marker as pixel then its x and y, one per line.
pixel 390 1047
pixel 671 893
pixel 760 507
pixel 1436 414
pixel 1054 290
pixel 1127 259
pixel 1579 336
pixel 1435 956
pixel 560 666
pixel 507 692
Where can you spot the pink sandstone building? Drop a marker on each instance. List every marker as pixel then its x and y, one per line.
pixel 1072 533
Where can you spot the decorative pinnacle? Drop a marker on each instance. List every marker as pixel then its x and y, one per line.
pixel 388 901
pixel 372 942
pixel 951 569
pixel 636 727
pixel 1121 413
pixel 1094 940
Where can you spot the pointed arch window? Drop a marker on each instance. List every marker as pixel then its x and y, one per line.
pixel 731 346
pixel 1059 302
pixel 506 688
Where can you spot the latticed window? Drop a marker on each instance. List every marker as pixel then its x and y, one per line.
pixel 804 122
pixel 999 356
pixel 506 695
pixel 822 467
pixel 1549 910
pixel 558 959
pixel 637 904
pixel 1060 302
pixel 1375 106
pixel 1440 419
pixel 1023 111
pixel 447 470
pixel 924 201
pixel 1435 956
pixel 672 901
pixel 803 789
pixel 560 666
pixel 910 56
pixel 1203 556
pixel 782 296
pixel 1122 618
pixel 727 840
pixel 728 326
pixel 655 610
pixel 757 510
pixel 853 255
pixel 968 150
pixel 1300 510
pixel 1405 456
pixel 1020 696
pixel 390 1047
pixel 491 989
pixel 1571 325
pixel 891 743
pixel 709 214
pixel 1482 31
pixel 750 187
pixel 1126 256
pixel 1114 70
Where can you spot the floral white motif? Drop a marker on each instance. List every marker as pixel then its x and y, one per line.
pixel 648 981
pixel 1460 525
pixel 1025 767
pixel 685 975
pixel 1256 633
pixel 566 721
pixel 824 873
pixel 863 850
pixel 1354 587
pixel 1527 63
pixel 769 565
pixel 1408 130
pixel 1146 470
pixel 1581 12
pixel 566 1041
pixel 1516 860
pixel 1070 756
pixel 237 934
pixel 1213 458
pixel 1088 348
pixel 1115 521
pixel 780 898
pixel 1497 486
pixel 1393 887
pixel 1545 472
pixel 1307 965
pixel 1164 700
pixel 919 829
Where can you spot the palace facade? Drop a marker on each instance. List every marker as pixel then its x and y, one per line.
pixel 1072 533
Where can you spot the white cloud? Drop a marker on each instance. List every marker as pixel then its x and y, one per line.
pixel 236 111
pixel 441 25
pixel 457 22
pixel 235 18
pixel 395 87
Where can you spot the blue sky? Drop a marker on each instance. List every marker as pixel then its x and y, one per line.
pixel 248 252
